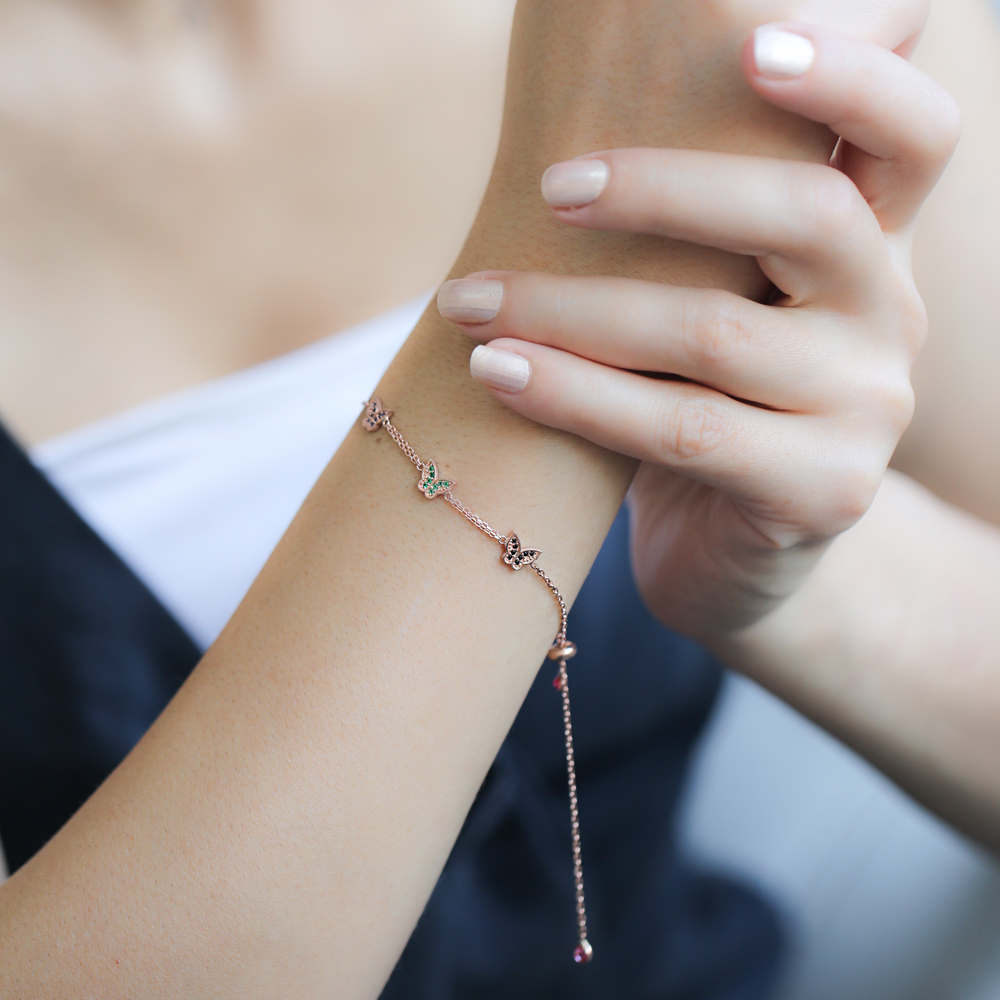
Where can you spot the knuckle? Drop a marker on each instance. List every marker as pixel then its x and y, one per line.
pixel 831 206
pixel 911 313
pixel 897 403
pixel 714 331
pixel 691 427
pixel 944 132
pixel 915 324
pixel 853 494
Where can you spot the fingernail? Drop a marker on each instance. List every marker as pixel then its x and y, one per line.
pixel 781 55
pixel 499 368
pixel 470 300
pixel 575 183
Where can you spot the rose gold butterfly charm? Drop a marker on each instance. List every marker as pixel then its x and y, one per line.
pixel 516 557
pixel 375 416
pixel 429 483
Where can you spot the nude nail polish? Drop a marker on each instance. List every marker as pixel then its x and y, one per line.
pixel 575 183
pixel 782 55
pixel 470 300
pixel 499 369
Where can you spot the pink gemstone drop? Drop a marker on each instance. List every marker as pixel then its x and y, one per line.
pixel 583 953
pixel 557 682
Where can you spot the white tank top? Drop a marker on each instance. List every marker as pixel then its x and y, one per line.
pixel 194 490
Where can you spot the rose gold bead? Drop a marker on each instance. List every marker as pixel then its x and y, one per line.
pixel 564 652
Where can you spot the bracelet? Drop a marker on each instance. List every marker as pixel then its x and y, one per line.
pixel 514 555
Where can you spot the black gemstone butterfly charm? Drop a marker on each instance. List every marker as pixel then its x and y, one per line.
pixel 375 416
pixel 429 483
pixel 516 557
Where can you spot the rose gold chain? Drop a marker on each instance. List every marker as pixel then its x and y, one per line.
pixel 474 518
pixel 404 445
pixel 574 815
pixel 563 610
pixel 562 650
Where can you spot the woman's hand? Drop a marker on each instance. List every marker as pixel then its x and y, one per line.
pixel 764 429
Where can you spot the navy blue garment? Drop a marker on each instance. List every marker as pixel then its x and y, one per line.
pixel 88 659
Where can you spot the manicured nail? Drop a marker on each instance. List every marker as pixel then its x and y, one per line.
pixel 470 300
pixel 575 183
pixel 781 55
pixel 499 368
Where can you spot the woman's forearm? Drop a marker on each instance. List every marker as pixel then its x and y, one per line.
pixel 894 645
pixel 279 829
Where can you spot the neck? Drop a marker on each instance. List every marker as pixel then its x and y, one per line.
pixel 190 189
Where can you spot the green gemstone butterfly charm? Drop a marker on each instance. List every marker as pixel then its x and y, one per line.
pixel 429 483
pixel 516 557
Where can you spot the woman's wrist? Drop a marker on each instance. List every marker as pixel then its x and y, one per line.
pixel 890 646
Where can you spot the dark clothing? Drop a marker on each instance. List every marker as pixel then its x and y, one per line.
pixel 89 657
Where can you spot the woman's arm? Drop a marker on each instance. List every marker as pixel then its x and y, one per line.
pixel 893 644
pixel 280 828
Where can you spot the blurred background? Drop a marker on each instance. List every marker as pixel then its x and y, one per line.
pixel 190 189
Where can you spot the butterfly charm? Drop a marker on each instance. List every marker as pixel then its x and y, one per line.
pixel 429 483
pixel 516 557
pixel 375 416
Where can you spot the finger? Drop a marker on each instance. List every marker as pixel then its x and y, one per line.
pixel 686 427
pixel 781 358
pixel 807 224
pixel 739 449
pixel 899 128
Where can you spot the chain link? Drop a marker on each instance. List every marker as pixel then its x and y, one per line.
pixel 474 518
pixel 404 445
pixel 563 610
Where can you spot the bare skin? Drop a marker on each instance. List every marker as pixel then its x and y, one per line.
pixel 354 738
pixel 190 188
